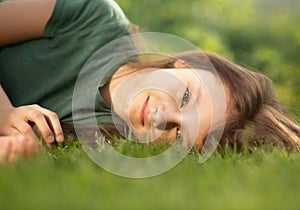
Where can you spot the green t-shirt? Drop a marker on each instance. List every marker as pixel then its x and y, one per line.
pixel 44 71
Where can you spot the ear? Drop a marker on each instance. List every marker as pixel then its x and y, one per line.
pixel 180 64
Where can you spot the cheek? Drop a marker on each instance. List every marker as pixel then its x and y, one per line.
pixel 205 116
pixel 134 108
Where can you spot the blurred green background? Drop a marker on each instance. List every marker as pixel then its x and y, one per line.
pixel 262 35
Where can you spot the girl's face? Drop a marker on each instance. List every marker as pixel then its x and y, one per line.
pixel 167 104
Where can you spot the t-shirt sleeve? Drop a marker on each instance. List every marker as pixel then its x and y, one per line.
pixel 80 15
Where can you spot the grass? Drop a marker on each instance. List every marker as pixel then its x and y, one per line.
pixel 65 178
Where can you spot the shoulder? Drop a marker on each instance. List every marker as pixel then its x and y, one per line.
pixel 70 15
pixel 104 11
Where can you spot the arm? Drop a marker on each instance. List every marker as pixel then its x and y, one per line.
pixel 21 21
pixel 19 121
pixel 24 20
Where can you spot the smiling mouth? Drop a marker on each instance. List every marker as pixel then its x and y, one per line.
pixel 143 112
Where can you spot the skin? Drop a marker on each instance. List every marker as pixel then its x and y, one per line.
pixel 21 21
pixel 152 103
pixel 15 147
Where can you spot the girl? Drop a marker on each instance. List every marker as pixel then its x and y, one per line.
pixel 46 43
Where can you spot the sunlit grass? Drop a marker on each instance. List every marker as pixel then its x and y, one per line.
pixel 64 177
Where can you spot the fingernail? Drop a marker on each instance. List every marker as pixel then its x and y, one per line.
pixel 60 138
pixel 50 139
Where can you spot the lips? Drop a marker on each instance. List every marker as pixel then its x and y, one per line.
pixel 143 113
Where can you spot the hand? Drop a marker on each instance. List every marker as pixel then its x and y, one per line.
pixel 20 121
pixel 13 147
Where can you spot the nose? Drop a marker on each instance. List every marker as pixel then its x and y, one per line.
pixel 165 117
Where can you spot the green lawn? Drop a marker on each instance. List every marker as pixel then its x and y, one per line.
pixel 67 179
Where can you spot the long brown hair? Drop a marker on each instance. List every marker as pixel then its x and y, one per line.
pixel 259 118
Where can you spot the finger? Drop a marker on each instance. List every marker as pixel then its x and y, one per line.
pixel 25 129
pixel 21 126
pixel 54 122
pixel 30 148
pixel 39 119
pixel 48 145
pixel 10 131
pixel 5 147
pixel 16 149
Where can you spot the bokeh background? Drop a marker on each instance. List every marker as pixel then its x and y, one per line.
pixel 263 35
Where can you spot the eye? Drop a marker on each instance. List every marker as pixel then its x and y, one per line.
pixel 186 97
